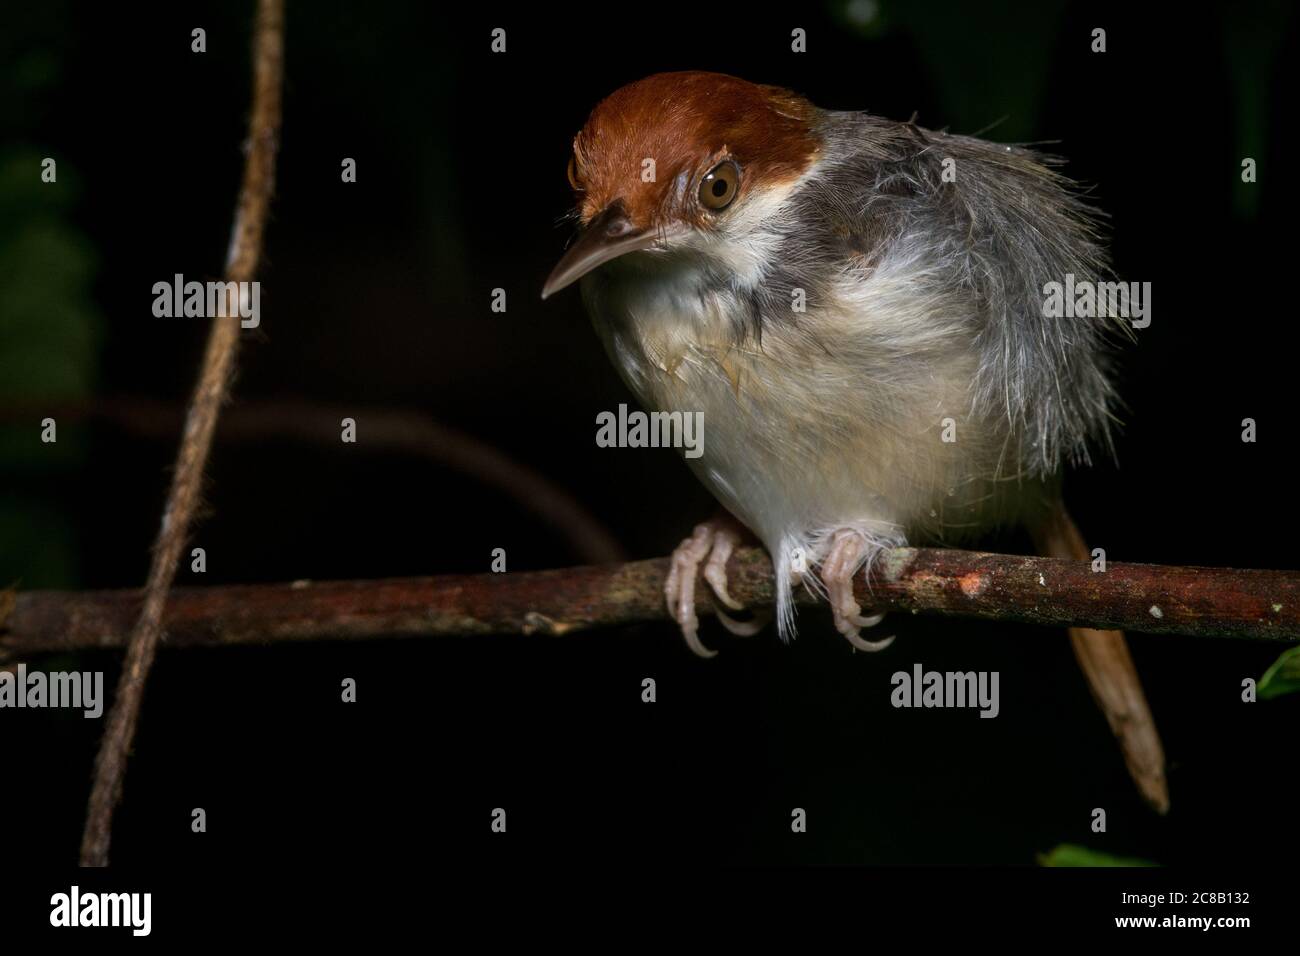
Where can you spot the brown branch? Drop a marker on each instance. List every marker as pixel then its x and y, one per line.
pixel 205 406
pixel 1209 602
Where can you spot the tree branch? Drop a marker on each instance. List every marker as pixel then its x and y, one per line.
pixel 1207 602
pixel 209 394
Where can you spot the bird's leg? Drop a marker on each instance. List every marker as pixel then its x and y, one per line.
pixel 711 543
pixel 837 572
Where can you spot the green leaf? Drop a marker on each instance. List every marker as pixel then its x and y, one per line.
pixel 1070 854
pixel 1283 677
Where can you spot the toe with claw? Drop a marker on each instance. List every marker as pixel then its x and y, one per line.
pixel 710 545
pixel 838 569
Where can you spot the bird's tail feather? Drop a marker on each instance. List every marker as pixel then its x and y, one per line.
pixel 1106 663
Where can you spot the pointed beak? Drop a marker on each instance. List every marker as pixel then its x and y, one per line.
pixel 606 237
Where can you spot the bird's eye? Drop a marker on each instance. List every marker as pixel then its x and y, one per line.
pixel 720 186
pixel 573 174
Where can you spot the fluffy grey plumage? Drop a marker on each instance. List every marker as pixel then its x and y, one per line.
pixel 1006 227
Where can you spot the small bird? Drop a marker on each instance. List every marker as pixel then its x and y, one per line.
pixel 856 306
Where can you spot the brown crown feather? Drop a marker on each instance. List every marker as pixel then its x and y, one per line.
pixel 686 122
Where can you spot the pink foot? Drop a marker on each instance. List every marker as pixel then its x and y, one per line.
pixel 710 544
pixel 837 573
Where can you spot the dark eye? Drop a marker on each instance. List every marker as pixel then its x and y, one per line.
pixel 720 186
pixel 573 174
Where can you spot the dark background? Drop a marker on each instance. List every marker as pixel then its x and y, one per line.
pixel 377 294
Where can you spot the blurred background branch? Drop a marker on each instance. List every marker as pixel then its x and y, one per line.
pixel 200 422
pixel 386 429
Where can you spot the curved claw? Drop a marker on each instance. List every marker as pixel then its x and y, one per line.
pixel 714 541
pixel 679 588
pixel 743 628
pixel 837 574
pixel 693 642
pixel 715 570
pixel 864 645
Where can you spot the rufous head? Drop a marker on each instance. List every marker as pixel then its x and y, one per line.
pixel 676 155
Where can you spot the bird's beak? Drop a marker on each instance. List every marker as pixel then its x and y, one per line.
pixel 608 236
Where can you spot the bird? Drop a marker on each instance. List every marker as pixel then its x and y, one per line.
pixel 855 306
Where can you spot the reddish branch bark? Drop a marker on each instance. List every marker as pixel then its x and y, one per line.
pixel 1209 602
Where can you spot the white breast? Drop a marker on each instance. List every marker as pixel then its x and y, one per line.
pixel 836 419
